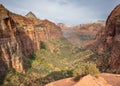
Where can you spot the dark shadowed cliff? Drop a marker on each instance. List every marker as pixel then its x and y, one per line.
pixel 108 41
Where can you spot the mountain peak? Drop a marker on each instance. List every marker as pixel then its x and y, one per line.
pixel 2 7
pixel 3 12
pixel 31 15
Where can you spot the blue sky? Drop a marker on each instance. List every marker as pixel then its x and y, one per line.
pixel 64 11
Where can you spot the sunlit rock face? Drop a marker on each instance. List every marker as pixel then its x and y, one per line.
pixel 20 37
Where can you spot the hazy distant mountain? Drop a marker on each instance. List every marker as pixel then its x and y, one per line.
pixel 82 33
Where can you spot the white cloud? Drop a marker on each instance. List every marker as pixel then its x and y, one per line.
pixel 66 11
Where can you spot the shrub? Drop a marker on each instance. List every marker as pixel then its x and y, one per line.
pixel 42 45
pixel 32 56
pixel 91 69
pixel 85 69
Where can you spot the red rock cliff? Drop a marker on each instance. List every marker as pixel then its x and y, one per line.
pixel 20 37
pixel 109 40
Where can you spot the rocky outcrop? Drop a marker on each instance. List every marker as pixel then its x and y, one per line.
pixel 108 41
pixel 20 37
pixel 103 79
pixel 31 15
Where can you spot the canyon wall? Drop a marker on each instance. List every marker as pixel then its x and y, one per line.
pixel 108 41
pixel 21 36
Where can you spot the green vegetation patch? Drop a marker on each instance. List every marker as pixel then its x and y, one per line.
pixel 57 59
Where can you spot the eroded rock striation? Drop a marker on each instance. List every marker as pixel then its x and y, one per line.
pixel 20 37
pixel 108 41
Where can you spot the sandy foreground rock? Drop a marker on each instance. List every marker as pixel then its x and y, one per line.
pixel 103 79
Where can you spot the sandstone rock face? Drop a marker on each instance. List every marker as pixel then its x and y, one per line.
pixel 109 40
pixel 9 47
pixel 103 79
pixel 20 37
pixel 112 32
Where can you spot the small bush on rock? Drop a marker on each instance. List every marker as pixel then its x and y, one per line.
pixel 85 69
